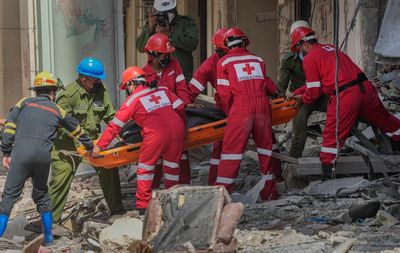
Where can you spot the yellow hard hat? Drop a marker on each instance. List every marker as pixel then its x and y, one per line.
pixel 46 80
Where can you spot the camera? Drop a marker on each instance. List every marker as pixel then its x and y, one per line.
pixel 162 19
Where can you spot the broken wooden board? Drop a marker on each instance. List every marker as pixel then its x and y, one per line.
pixel 34 245
pixel 346 165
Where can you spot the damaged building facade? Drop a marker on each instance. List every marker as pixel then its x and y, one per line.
pixel 55 35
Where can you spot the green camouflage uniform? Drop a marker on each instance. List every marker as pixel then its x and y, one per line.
pixel 90 109
pixel 291 71
pixel 184 37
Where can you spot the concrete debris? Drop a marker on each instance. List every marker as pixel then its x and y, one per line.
pixel 91 232
pixel 124 235
pixel 344 247
pixel 386 219
pixel 331 188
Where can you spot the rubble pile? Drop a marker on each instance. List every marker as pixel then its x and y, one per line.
pixel 324 216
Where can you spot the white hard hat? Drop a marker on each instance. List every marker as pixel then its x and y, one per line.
pixel 299 23
pixel 164 5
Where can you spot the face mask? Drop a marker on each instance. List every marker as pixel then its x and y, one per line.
pixel 171 17
pixel 301 55
pixel 165 62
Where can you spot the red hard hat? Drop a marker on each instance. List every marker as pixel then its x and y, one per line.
pixel 132 74
pixel 234 36
pixel 159 43
pixel 218 38
pixel 299 34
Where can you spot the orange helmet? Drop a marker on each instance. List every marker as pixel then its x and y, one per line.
pixel 132 74
pixel 235 36
pixel 159 43
pixel 218 38
pixel 300 34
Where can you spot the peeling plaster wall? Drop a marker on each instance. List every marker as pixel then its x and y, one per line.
pixel 362 38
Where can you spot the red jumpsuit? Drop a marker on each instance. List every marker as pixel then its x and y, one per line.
pixel 207 72
pixel 319 69
pixel 172 78
pixel 243 88
pixel 158 112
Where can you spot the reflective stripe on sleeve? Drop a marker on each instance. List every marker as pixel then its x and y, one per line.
pixel 223 82
pixel 117 122
pixel 179 78
pixel 313 84
pixel 177 103
pixel 197 84
pixel 10 125
pixel 9 131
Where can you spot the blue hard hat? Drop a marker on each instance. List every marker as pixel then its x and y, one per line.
pixel 91 67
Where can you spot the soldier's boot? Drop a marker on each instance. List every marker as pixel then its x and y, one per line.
pixel 3 223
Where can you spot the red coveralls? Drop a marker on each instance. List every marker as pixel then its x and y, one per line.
pixel 207 72
pixel 319 69
pixel 172 78
pixel 157 111
pixel 243 88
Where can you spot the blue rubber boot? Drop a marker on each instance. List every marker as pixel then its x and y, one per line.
pixel 3 223
pixel 47 222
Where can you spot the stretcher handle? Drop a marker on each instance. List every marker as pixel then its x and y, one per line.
pixel 82 151
pixel 281 102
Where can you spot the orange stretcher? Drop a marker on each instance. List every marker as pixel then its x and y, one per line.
pixel 282 112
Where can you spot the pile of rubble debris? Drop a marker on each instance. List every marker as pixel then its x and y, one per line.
pixel 350 214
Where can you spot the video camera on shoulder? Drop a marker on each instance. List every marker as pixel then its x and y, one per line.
pixel 162 19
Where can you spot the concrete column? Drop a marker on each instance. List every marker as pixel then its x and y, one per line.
pixel 17 51
pixel 1 60
pixel 11 54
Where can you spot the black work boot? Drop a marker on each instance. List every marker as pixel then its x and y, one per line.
pixel 326 172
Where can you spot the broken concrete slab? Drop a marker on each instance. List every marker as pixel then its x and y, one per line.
pixel 346 165
pixel 123 236
pixel 340 186
pixel 386 219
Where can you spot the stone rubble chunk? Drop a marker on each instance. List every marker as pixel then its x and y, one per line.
pixel 123 236
pixel 386 219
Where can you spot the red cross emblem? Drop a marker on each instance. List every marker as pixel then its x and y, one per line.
pixel 155 99
pixel 248 69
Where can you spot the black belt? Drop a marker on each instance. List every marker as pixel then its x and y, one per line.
pixel 359 81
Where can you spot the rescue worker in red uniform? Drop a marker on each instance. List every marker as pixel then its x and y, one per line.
pixel 358 98
pixel 207 72
pixel 159 112
pixel 165 70
pixel 243 87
